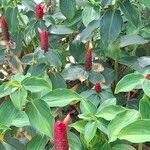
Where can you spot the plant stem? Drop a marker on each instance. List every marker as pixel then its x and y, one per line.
pixel 140 146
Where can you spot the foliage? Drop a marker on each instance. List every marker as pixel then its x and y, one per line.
pixel 88 58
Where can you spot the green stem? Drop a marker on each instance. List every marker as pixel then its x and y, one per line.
pixel 140 147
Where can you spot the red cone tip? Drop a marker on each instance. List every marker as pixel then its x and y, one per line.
pixel 148 77
pixel 97 87
pixel 67 120
pixel 39 11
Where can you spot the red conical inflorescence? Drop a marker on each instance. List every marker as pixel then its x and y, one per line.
pixel 88 60
pixel 44 39
pixel 97 87
pixel 39 11
pixel 4 27
pixel 60 134
pixel 148 77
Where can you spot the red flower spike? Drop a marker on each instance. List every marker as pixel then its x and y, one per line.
pixel 4 27
pixel 60 134
pixel 67 120
pixel 44 39
pixel 39 11
pixel 148 77
pixel 97 87
pixel 88 60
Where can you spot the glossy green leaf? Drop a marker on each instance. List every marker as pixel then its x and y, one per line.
pixel 74 142
pixel 146 87
pixel 90 131
pixel 109 22
pixel 21 120
pixel 136 132
pixel 77 50
pixel 68 8
pixel 79 126
pixel 120 121
pixel 53 58
pixel 132 39
pixel 87 107
pixel 12 20
pixel 89 14
pixel 57 81
pixel 130 11
pixel 60 30
pixel 61 97
pixel 35 84
pixel 18 97
pixel 109 112
pixel 7 113
pixel 146 3
pixel 145 107
pixel 40 117
pixel 129 82
pixel 123 147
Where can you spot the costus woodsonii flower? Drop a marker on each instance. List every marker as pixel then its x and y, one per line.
pixel 97 87
pixel 148 77
pixel 88 60
pixel 43 39
pixel 39 11
pixel 5 33
pixel 60 134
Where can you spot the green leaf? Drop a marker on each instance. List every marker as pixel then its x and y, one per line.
pixel 145 107
pixel 129 82
pixel 89 14
pixel 29 4
pixel 18 97
pixel 132 39
pixel 12 20
pixel 61 97
pixel 37 142
pixel 60 30
pixel 86 34
pixel 35 84
pixel 74 73
pixel 109 112
pixel 146 87
pixel 77 50
pixel 103 125
pixel 57 81
pixel 130 12
pixel 123 147
pixel 40 117
pixel 68 8
pixel 53 58
pixel 109 22
pixel 90 131
pixel 7 113
pixel 21 120
pixel 136 132
pixel 146 3
pixel 87 107
pixel 79 125
pixel 74 142
pixel 120 121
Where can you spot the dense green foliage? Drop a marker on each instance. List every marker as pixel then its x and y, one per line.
pixel 96 67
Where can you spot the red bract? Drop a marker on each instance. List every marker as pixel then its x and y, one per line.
pixel 39 11
pixel 60 134
pixel 97 87
pixel 148 76
pixel 4 27
pixel 88 60
pixel 44 39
